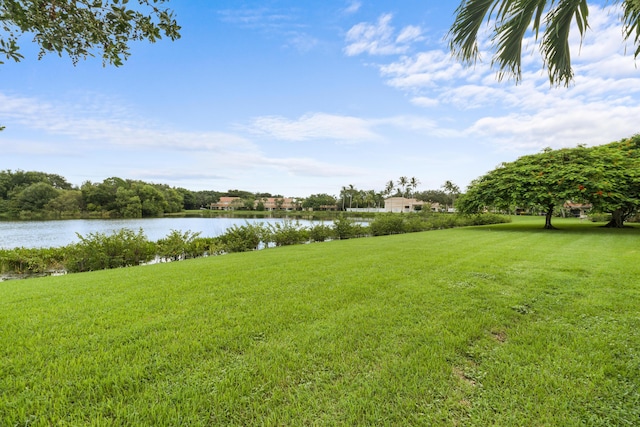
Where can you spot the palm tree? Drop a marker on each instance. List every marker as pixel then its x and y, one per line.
pixel 452 191
pixel 388 189
pixel 512 20
pixel 403 181
pixel 413 183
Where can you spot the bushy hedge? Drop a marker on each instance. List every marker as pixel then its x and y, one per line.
pixel 31 260
pixel 98 251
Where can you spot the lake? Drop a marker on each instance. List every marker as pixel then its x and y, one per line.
pixel 39 234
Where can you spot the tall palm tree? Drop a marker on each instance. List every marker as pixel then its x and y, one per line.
pixel 513 18
pixel 403 181
pixel 413 183
pixel 452 191
pixel 388 189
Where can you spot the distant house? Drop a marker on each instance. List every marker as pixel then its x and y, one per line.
pixel 579 210
pixel 227 204
pixel 278 203
pixel 403 204
pixel 269 203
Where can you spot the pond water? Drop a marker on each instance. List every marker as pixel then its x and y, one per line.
pixel 44 234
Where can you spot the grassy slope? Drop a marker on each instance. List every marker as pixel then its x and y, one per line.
pixel 499 325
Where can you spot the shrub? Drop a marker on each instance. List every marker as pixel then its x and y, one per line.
pixel 388 223
pixel 179 245
pixel 31 260
pixel 320 233
pixel 242 238
pixel 99 251
pixel 288 233
pixel 344 228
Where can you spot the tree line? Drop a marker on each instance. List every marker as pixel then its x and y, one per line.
pixel 33 194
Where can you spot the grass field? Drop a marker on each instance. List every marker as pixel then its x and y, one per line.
pixel 506 325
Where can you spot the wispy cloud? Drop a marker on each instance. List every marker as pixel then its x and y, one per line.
pixel 159 153
pixel 258 18
pixel 352 7
pixel 281 24
pixel 315 126
pixel 380 38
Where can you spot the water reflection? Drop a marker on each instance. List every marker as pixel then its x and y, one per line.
pixel 39 234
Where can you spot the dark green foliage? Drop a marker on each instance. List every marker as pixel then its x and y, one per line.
pixel 31 260
pixel 344 228
pixel 99 251
pixel 318 202
pixel 287 233
pixel 320 233
pixel 178 245
pixel 242 238
pixel 34 197
pixel 388 223
pixel 605 176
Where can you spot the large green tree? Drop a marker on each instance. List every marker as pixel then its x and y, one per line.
pixel 82 28
pixel 549 20
pixel 606 176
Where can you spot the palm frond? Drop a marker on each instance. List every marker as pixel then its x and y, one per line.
pixel 631 22
pixel 463 35
pixel 510 31
pixel 555 42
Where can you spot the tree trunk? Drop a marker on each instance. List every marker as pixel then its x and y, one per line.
pixel 547 219
pixel 617 219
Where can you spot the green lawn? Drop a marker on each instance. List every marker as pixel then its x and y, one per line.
pixel 497 325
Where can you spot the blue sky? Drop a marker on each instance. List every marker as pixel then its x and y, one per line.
pixel 297 98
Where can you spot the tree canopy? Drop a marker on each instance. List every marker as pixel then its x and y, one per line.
pixel 513 20
pixel 79 28
pixel 607 177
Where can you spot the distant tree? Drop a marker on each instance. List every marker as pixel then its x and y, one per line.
pixel 389 187
pixel 452 191
pixel 413 184
pixel 67 201
pixel 512 20
pixel 128 203
pixel 403 181
pixel 318 201
pixel 189 200
pixel 102 196
pixel 279 202
pixel 206 198
pixel 34 197
pixel 348 193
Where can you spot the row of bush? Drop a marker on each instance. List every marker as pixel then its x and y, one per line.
pixel 99 251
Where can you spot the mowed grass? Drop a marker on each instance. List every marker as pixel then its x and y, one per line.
pixel 507 325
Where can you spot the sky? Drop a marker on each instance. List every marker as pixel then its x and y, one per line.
pixel 299 98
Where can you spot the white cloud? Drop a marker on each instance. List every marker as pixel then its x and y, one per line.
pixel 378 38
pixel 599 107
pixel 425 101
pixel 316 126
pixel 564 126
pixel 149 151
pixel 353 7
